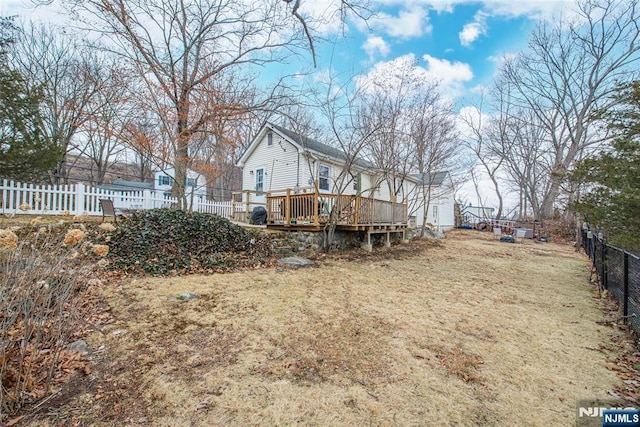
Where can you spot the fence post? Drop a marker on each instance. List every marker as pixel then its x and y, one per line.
pixel 80 190
pixel 625 299
pixel 603 255
pixel 3 198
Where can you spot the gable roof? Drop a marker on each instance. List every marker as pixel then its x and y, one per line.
pixel 303 143
pixel 310 143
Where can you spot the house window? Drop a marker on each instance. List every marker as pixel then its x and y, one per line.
pixel 435 211
pixel 165 180
pixel 191 182
pixel 356 182
pixel 270 139
pixel 323 177
pixel 259 179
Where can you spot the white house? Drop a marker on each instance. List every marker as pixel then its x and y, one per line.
pixel 279 159
pixel 130 193
pixel 432 194
pixel 196 185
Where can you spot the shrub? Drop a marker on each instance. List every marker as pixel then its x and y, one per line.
pixel 40 298
pixel 172 241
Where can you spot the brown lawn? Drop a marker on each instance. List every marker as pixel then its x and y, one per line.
pixel 465 331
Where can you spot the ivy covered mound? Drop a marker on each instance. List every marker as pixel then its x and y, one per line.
pixel 172 241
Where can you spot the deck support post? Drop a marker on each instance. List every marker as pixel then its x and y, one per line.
pixel 367 246
pixel 387 243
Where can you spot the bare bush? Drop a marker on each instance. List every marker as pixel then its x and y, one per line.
pixel 40 284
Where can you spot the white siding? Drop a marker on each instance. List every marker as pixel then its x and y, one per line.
pixel 442 197
pixel 280 162
pixel 200 188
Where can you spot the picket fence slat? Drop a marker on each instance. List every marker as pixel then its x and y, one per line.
pixel 77 199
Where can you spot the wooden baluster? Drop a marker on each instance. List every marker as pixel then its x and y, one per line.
pixel 287 209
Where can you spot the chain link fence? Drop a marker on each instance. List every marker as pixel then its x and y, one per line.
pixel 618 272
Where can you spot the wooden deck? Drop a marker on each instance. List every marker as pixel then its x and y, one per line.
pixel 312 210
pixel 288 210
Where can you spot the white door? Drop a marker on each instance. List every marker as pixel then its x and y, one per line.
pixel 260 197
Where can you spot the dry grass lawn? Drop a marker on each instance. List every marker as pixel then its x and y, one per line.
pixel 466 331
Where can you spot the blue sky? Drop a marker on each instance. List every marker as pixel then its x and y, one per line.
pixel 457 42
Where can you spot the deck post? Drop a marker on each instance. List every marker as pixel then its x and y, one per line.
pixel 316 196
pixel 267 204
pixel 356 215
pixel 393 210
pixel 387 243
pixel 287 208
pixel 247 204
pixel 367 246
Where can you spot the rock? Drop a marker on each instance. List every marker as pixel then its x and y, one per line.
pixel 186 296
pixel 434 234
pixel 295 262
pixel 80 346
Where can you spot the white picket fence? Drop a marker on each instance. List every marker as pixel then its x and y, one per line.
pixel 77 199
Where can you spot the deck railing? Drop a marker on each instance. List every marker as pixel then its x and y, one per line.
pixel 289 208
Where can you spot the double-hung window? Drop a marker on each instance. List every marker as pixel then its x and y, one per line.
pixel 324 172
pixel 165 180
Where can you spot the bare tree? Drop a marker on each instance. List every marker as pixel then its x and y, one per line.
pixel 433 140
pixel 177 48
pixel 344 107
pixel 105 126
pixel 568 72
pixel 69 78
pixel 490 159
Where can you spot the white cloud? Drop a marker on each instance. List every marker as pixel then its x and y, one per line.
pixel 451 76
pixel 323 15
pixel 410 22
pixel 376 46
pixel 471 31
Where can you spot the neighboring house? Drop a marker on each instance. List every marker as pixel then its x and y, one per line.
pixel 278 159
pixel 130 191
pixel 196 185
pixel 433 194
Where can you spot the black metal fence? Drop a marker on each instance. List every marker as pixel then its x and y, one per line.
pixel 618 272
